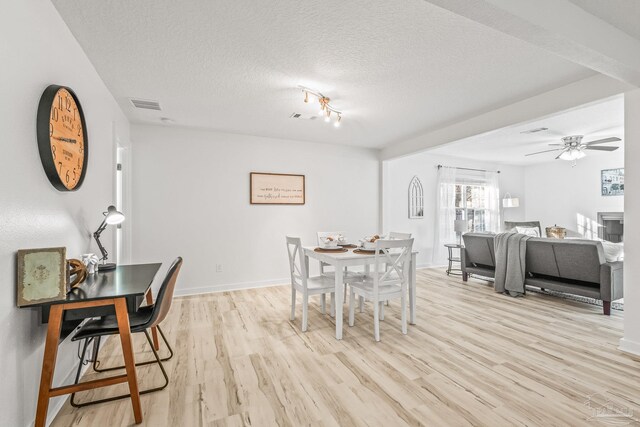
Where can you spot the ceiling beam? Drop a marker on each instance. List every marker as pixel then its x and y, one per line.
pixel 579 93
pixel 559 27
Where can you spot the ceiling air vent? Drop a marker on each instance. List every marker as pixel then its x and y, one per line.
pixel 302 116
pixel 145 104
pixel 536 130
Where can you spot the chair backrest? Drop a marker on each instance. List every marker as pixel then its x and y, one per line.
pixel 400 236
pixel 324 234
pixel 165 294
pixel 391 265
pixel 297 266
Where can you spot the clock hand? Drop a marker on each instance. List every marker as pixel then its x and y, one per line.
pixel 73 141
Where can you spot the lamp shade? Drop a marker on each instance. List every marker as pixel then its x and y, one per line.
pixel 113 216
pixel 460 226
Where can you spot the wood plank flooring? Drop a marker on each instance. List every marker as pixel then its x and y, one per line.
pixel 474 358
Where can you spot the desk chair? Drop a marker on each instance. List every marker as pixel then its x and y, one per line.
pixel 145 318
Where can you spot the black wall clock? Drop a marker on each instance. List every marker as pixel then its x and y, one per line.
pixel 62 138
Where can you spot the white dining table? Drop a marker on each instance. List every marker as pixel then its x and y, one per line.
pixel 340 260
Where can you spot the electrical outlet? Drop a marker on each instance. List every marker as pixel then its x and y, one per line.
pixel 218 268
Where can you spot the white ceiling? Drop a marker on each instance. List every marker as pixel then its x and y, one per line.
pixel 509 145
pixel 622 14
pixel 396 68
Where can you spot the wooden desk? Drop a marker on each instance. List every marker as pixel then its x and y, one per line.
pixel 104 293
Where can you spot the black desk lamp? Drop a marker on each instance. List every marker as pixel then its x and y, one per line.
pixel 111 217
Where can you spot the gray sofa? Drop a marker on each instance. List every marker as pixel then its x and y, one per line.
pixel 572 266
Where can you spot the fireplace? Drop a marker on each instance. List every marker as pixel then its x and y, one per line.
pixel 611 226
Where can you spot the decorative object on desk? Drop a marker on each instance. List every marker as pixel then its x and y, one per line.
pixel 77 272
pixel 42 276
pixel 612 182
pixel 510 202
pixel 62 138
pixel 276 189
pixel 111 217
pixel 460 226
pixel 91 261
pixel 556 232
pixel 416 199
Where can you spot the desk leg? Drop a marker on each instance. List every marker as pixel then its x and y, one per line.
pixel 339 297
pixel 412 290
pixel 154 330
pixel 127 350
pixel 49 363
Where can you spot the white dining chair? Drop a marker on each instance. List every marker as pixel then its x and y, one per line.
pixel 308 286
pixel 399 236
pixel 390 279
pixel 348 276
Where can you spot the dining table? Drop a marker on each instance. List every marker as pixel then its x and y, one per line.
pixel 354 256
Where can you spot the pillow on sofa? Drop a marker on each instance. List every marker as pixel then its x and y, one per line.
pixel 613 251
pixel 529 231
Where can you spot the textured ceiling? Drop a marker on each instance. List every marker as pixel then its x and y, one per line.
pixel 622 14
pixel 396 68
pixel 509 145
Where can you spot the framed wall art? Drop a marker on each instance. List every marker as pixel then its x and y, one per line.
pixel 612 182
pixel 276 189
pixel 42 276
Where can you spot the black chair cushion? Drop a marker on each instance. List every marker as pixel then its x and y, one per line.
pixel 107 325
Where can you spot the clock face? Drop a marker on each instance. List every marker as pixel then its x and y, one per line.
pixel 63 150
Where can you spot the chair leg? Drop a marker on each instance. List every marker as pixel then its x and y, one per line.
pixel 323 299
pixel 333 304
pixel 381 303
pixel 96 350
pixel 403 319
pixel 157 360
pixel 293 303
pixel 376 320
pixel 305 311
pixel 352 307
pixel 361 303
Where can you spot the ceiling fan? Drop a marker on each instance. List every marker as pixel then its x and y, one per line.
pixel 572 147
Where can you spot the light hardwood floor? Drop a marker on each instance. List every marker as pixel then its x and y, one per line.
pixel 474 358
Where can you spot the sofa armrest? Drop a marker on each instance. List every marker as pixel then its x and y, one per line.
pixel 611 285
pixel 464 259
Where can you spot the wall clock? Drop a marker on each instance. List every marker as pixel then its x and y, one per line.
pixel 62 138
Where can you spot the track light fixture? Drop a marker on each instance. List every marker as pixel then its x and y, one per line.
pixel 325 108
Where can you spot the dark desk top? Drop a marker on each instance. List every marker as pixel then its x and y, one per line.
pixel 124 281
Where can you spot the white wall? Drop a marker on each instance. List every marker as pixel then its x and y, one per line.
pixel 397 176
pixel 570 197
pixel 191 198
pixel 631 340
pixel 38 49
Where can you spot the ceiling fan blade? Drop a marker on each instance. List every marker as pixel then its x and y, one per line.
pixel 603 141
pixel 601 148
pixel 545 151
pixel 558 156
pixel 556 145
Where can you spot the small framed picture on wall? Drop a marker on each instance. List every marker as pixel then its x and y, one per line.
pixel 612 182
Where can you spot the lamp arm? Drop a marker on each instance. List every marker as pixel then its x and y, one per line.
pixel 96 236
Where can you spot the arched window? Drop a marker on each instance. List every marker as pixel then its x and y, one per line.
pixel 416 199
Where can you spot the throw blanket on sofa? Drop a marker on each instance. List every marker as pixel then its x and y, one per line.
pixel 511 251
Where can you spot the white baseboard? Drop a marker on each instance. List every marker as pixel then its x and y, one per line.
pixel 231 287
pixel 630 347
